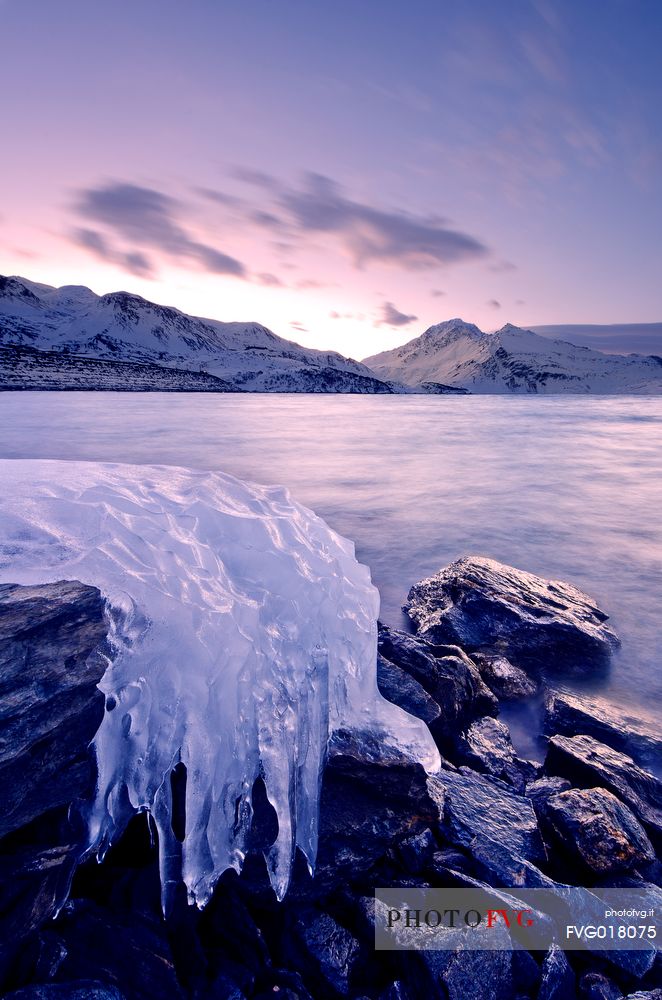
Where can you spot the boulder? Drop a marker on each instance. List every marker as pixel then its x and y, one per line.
pixel 372 796
pixel 584 761
pixel 597 986
pixel 480 808
pixel 503 678
pixel 51 661
pixel 126 951
pixel 598 830
pixel 557 979
pixel 537 624
pixel 467 974
pixel 487 747
pixel 569 714
pixel 416 852
pixel 448 676
pixel 542 788
pixel 404 690
pixel 327 952
pixel 52 655
pixel 83 989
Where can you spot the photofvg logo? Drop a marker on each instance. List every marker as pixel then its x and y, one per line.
pixel 483 919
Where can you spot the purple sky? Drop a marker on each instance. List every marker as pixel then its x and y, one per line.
pixel 346 173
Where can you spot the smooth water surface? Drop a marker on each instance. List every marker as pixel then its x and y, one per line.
pixel 566 487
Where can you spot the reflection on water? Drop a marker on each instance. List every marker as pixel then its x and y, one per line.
pixel 565 487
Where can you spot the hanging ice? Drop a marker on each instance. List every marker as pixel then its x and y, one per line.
pixel 244 633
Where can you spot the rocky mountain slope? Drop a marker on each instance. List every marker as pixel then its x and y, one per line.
pixel 74 323
pixel 513 360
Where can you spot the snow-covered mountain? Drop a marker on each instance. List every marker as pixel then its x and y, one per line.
pixel 125 328
pixel 513 360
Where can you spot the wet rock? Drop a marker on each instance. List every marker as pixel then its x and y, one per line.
pixel 482 808
pixel 467 974
pixel 447 674
pixel 537 624
pixel 503 678
pixel 542 788
pixel 584 761
pixel 396 991
pixel 86 989
pixel 50 664
pixel 645 995
pixel 597 986
pixel 499 864
pixel 36 866
pixel 417 852
pixel 557 979
pixel 598 830
pixel 328 951
pixel 51 659
pixel 372 796
pixel 571 714
pixel 526 971
pixel 129 953
pixel 487 747
pixel 404 690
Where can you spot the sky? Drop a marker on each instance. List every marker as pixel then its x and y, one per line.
pixel 346 173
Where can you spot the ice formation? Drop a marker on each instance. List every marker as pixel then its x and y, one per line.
pixel 244 634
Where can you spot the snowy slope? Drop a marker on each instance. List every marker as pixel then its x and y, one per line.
pixel 514 360
pixel 243 635
pixel 127 328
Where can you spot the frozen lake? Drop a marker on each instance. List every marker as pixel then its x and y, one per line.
pixel 566 487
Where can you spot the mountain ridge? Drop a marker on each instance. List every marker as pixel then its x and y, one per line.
pixel 126 328
pixel 513 360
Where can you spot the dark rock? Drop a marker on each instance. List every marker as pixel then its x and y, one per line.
pixel 50 664
pixel 283 984
pixel 51 659
pixel 498 864
pixel 487 747
pixel 467 974
pixel 504 679
pixel 584 761
pixel 526 971
pixel 131 954
pixel 371 796
pixel 537 624
pixel 572 714
pixel 404 690
pixel 542 788
pixel 557 978
pixel 83 989
pixel 396 991
pixel 416 852
pixel 598 830
pixel 328 951
pixel 224 988
pixel 36 866
pixel 451 857
pixel 482 808
pixel 597 986
pixel 645 995
pixel 447 674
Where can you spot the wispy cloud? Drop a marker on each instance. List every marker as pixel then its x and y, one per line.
pixel 318 205
pixel 373 234
pixel 135 262
pixel 145 217
pixel 393 317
